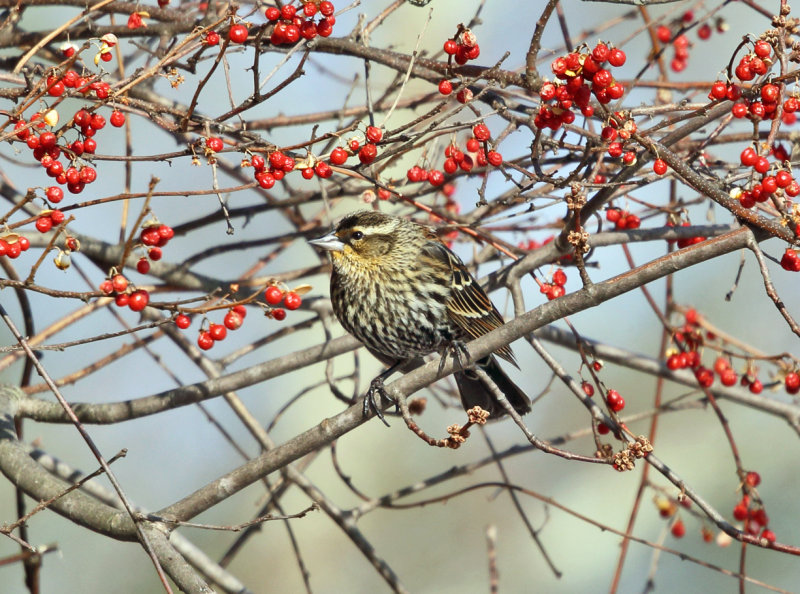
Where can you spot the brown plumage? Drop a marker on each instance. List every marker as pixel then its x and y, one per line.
pixel 404 294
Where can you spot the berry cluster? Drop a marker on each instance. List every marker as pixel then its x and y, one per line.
pixel 366 153
pixel 12 245
pixel 556 288
pixel 686 241
pixel 752 512
pixel 462 48
pixel 154 236
pixel 47 150
pixel 293 23
pixel 47 219
pixel 778 184
pixel 791 260
pixel 680 43
pixel 274 295
pixel 206 338
pixel 622 219
pixel 583 75
pixel 616 133
pixel 690 339
pixel 476 152
pixel 116 284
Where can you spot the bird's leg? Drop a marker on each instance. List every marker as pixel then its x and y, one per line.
pixel 456 348
pixel 377 388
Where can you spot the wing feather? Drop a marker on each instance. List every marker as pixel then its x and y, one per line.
pixel 468 305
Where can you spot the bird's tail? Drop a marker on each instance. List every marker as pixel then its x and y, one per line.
pixel 474 392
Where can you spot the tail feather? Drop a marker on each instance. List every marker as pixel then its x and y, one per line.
pixel 474 392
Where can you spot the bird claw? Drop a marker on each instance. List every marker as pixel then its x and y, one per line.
pixel 456 348
pixel 376 388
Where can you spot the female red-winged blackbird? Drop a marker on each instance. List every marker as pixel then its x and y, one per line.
pixel 404 294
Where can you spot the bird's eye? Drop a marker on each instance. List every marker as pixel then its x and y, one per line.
pixel 356 235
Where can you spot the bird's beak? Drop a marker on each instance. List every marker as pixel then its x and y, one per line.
pixel 328 242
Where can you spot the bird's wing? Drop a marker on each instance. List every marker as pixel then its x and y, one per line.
pixel 468 305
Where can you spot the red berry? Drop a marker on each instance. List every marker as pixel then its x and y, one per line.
pixel 617 57
pixel 117 119
pixel 762 49
pixel 292 300
pixel 212 38
pixel 44 224
pixel 143 266
pixel 217 332
pixel 338 156
pixel 214 144
pixel 233 320
pixel 494 158
pixel 445 87
pixel 450 47
pixel 367 153
pixel 481 132
pixel 615 401
pixel 273 295
pixel 678 528
pixel 792 382
pixel 183 321
pixel 238 33
pixel 326 8
pixel 54 194
pixel 659 167
pixel 204 340
pixel 279 314
pixel 374 134
pixel 119 283
pixel 139 300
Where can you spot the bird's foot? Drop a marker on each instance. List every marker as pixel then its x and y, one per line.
pixel 458 349
pixel 372 400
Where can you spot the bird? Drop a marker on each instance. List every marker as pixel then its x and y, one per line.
pixel 404 294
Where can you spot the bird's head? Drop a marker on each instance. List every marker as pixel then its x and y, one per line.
pixel 369 238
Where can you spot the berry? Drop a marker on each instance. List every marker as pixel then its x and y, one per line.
pixel 138 300
pixel 617 57
pixel 183 321
pixel 368 153
pixel 752 479
pixel 119 283
pixel 292 300
pixel 481 132
pixel 117 119
pixel 678 529
pixel 214 144
pixel 44 224
pixel 338 156
pixel 212 38
pixel 204 340
pixel 273 295
pixel 143 266
pixel 494 158
pixel 54 194
pixel 217 332
pixel 233 320
pixel 238 33
pixel 445 87
pixel 374 134
pixel 659 167
pixel 615 401
pixel 279 314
